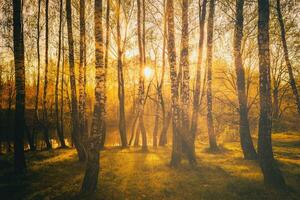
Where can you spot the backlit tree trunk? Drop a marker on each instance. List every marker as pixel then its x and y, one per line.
pixel 45 113
pixel 92 167
pixel 196 102
pixel 188 140
pixel 245 137
pixel 272 174
pixel 76 136
pixel 62 84
pixel 19 157
pixel 142 61
pixel 286 56
pixel 176 147
pixel 107 41
pixel 36 107
pixel 82 58
pixel 210 34
pixel 121 90
pixel 165 121
pixel 58 127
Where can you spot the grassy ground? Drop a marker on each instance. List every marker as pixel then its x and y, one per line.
pixel 131 174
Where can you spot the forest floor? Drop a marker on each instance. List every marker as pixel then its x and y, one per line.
pixel 131 174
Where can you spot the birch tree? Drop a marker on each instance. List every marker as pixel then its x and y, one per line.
pixel 94 140
pixel 245 136
pixel 271 172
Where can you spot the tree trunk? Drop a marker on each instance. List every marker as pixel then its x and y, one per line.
pixel 275 103
pixel 19 157
pixel 272 174
pixel 286 56
pixel 133 129
pixel 245 136
pixel 141 43
pixel 196 102
pixel 75 118
pixel 94 140
pixel 176 146
pixel 163 138
pixel 36 108
pixel 164 131
pixel 107 41
pixel 155 129
pixel 188 139
pixel 121 90
pixel 62 85
pixel 82 58
pixel 137 136
pixel 58 127
pixel 210 33
pixel 45 114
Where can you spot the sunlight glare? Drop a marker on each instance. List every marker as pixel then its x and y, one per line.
pixel 148 72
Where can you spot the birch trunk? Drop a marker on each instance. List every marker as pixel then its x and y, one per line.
pixel 176 147
pixel 187 139
pixel 107 41
pixel 74 113
pixel 210 33
pixel 271 172
pixel 94 140
pixel 82 58
pixel 245 136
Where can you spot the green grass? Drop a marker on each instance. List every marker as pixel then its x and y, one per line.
pixel 131 174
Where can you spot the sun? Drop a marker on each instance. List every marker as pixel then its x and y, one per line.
pixel 148 72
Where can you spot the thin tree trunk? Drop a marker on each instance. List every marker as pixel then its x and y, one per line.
pixel 82 62
pixel 176 146
pixel 19 157
pixel 141 42
pixel 245 136
pixel 133 129
pixel 92 167
pixel 121 90
pixel 275 103
pixel 36 108
pixel 107 41
pixel 155 129
pixel 75 118
pixel 286 56
pixel 45 113
pixel 163 134
pixel 210 33
pixel 196 100
pixel 137 136
pixel 271 172
pixel 62 85
pixel 58 127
